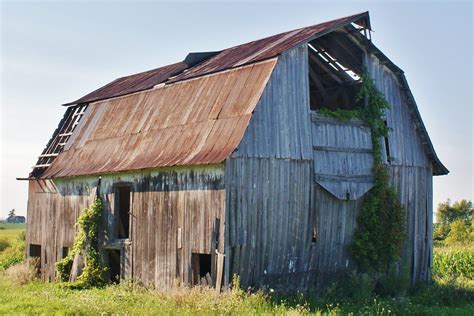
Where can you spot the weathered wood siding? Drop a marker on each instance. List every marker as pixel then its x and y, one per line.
pixel 410 170
pixel 335 220
pixel 268 183
pixel 343 157
pixel 296 183
pixel 268 210
pixel 163 203
pixel 280 126
pixel 343 161
pixel 52 213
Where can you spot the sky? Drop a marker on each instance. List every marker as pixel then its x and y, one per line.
pixel 56 52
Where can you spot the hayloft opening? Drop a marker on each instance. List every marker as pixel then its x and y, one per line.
pixel 122 211
pixel 114 265
pixel 201 268
pixel 335 63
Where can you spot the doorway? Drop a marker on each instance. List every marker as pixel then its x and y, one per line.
pixel 114 265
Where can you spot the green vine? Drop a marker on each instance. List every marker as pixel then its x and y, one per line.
pixel 380 233
pixel 94 271
pixel 340 114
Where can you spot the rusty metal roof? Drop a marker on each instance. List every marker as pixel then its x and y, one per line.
pixel 133 83
pixel 268 47
pixel 192 122
pixel 258 50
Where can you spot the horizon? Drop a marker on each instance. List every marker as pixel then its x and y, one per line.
pixel 76 56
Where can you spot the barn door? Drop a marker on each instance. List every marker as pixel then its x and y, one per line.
pixel 343 159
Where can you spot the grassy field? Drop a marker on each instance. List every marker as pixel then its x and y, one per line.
pixel 450 295
pixel 10 231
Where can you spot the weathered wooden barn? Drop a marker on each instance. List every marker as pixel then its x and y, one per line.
pixel 222 164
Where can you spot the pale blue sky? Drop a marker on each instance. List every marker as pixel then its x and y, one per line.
pixel 53 52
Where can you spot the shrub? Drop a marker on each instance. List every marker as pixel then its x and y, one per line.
pixel 14 254
pixel 22 273
pixel 4 243
pixel 459 233
pixel 394 283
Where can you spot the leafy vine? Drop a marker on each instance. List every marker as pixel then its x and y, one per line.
pixel 85 240
pixel 380 233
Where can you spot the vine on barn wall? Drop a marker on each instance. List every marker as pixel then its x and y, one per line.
pixel 85 241
pixel 380 232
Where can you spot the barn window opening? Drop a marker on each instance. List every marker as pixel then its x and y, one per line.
pixel 65 252
pixel 314 236
pixel 34 252
pixel 387 146
pixel 122 209
pixel 334 66
pixel 201 268
pixel 114 265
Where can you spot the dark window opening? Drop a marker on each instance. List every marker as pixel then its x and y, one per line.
pixel 201 268
pixel 387 146
pixel 334 66
pixel 314 236
pixel 122 209
pixel 114 265
pixel 35 250
pixel 35 253
pixel 65 252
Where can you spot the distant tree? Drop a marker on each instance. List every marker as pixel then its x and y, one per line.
pixel 454 221
pixel 458 233
pixel 447 213
pixel 11 213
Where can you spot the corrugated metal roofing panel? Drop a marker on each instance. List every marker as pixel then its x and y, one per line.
pixel 192 122
pixel 133 83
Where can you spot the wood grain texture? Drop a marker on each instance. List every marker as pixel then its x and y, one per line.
pixel 163 203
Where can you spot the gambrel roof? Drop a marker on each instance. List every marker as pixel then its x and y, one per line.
pixel 189 113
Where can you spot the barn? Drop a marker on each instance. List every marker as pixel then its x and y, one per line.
pixel 223 164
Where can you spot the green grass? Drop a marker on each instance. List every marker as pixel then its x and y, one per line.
pixel 12 244
pixel 448 295
pixel 51 298
pixel 10 232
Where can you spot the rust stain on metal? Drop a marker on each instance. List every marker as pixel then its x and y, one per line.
pixel 133 83
pixel 192 122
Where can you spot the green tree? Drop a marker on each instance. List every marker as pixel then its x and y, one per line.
pixel 458 233
pixel 454 221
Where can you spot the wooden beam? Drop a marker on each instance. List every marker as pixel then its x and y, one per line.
pixel 316 60
pixel 343 149
pixel 48 155
pixel 344 178
pixel 317 82
pixel 42 165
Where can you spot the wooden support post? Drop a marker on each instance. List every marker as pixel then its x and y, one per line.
pixel 220 270
pixel 214 246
